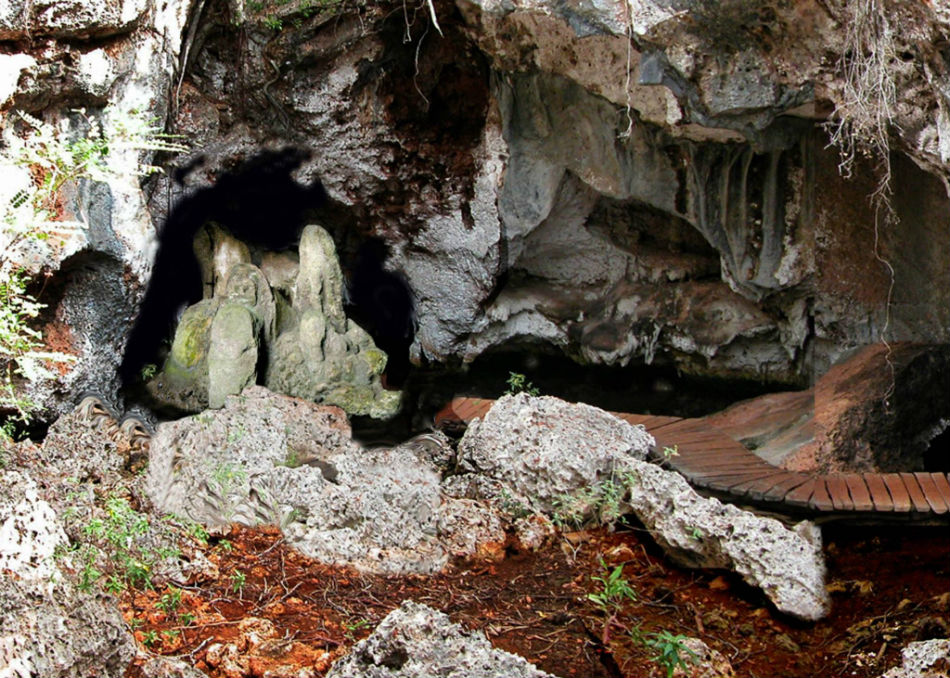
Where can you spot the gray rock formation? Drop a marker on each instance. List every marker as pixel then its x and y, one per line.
pixel 326 357
pixel 541 451
pixel 315 352
pixel 703 661
pixel 99 270
pixel 786 564
pixel 923 659
pixel 415 641
pixel 271 459
pixel 47 626
pixel 543 448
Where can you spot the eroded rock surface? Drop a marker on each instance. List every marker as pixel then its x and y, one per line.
pixel 271 459
pixel 923 659
pixel 546 448
pixel 231 340
pixel 47 626
pixel 415 641
pixel 541 451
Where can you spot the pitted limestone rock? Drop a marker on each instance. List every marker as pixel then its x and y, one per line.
pixel 787 564
pixel 217 343
pixel 309 347
pixel 415 641
pixel 325 357
pixel 268 458
pixel 544 448
pixel 38 601
pixel 923 659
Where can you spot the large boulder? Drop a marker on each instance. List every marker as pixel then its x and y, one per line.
pixel 415 641
pixel 47 626
pixel 543 448
pixel 268 458
pixel 548 454
pixel 786 564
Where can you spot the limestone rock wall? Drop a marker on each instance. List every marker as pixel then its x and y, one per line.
pixel 626 182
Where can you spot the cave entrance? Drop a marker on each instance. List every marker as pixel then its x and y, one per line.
pixel 250 222
pixel 937 454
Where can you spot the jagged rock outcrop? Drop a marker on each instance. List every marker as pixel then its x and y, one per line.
pixel 927 658
pixel 317 353
pixel 576 459
pixel 415 641
pixel 100 269
pixel 271 459
pixel 633 183
pixel 543 448
pixel 47 626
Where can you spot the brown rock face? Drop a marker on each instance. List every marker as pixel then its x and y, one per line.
pixel 878 411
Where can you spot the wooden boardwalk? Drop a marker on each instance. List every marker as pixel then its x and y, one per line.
pixel 714 462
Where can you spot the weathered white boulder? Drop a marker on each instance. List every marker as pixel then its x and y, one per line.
pixel 541 452
pixel 923 659
pixel 68 18
pixel 415 641
pixel 787 564
pixel 267 458
pixel 47 626
pixel 543 448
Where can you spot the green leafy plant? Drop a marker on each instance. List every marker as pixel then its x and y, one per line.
pixel 148 371
pixel 149 638
pixel 518 383
pixel 614 590
pixel 238 581
pixel 170 601
pixel 350 628
pixel 670 452
pixel 670 651
pixel 52 156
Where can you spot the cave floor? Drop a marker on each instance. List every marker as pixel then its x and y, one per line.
pixel 890 586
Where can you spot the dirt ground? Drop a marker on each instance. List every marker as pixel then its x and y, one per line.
pixel 263 607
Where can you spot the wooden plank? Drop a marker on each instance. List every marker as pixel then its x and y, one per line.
pixel 916 494
pixel 934 497
pixel 757 487
pixel 778 491
pixel 879 494
pixel 860 496
pixel 838 489
pixel 801 494
pixel 684 426
pixel 942 481
pixel 662 426
pixel 820 498
pixel 729 482
pixel 726 471
pixel 898 491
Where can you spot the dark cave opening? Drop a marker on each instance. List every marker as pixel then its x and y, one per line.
pixel 263 206
pixel 937 454
pixel 636 388
pixel 259 202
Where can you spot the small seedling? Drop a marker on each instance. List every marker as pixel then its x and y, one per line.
pixel 670 651
pixel 518 383
pixel 170 601
pixel 670 452
pixel 350 629
pixel 614 589
pixel 238 580
pixel 149 638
